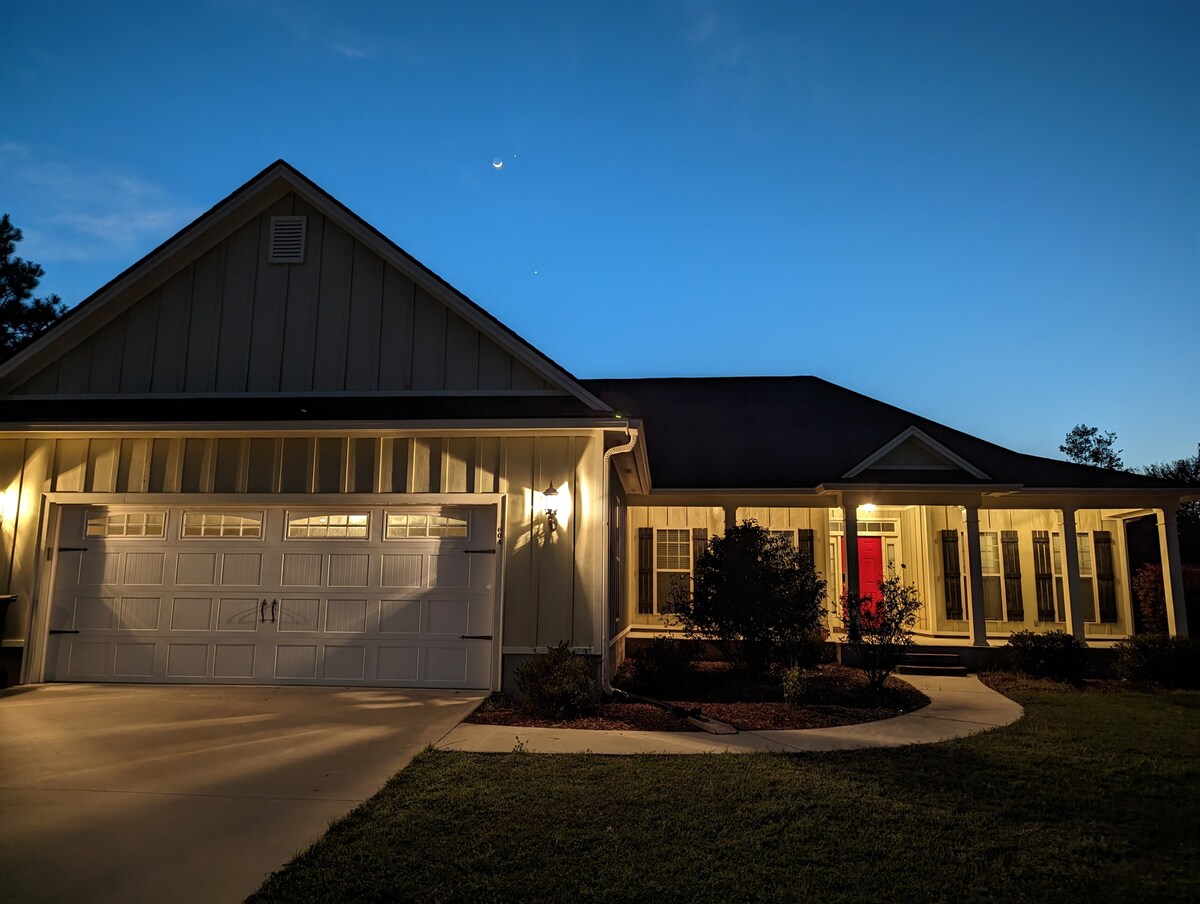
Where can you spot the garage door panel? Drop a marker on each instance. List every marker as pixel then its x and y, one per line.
pixel 199 568
pixel 345 663
pixel 400 616
pixel 302 569
pixel 348 570
pixel 93 567
pixel 238 614
pixel 345 616
pixel 233 660
pixel 144 568
pixel 241 569
pixel 139 613
pixel 187 660
pixel 402 570
pixel 371 610
pixel 192 613
pixel 135 660
pixel 299 614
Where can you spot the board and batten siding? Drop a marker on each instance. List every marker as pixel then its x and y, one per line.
pixel 230 322
pixel 552 579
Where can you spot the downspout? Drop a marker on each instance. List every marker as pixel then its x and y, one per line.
pixel 632 433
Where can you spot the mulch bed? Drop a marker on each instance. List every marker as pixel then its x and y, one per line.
pixel 836 695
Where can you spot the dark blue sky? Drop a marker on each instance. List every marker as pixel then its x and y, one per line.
pixel 988 213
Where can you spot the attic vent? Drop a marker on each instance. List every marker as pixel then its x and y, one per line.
pixel 287 240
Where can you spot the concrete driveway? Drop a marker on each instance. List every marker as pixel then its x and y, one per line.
pixel 189 793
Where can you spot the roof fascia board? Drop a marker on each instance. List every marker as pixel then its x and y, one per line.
pixel 271 396
pixel 924 439
pixel 130 286
pixel 307 428
pixel 442 291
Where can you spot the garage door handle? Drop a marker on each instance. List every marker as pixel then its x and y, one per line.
pixel 262 611
pixel 63 631
pixel 72 549
pixel 480 552
pixel 475 637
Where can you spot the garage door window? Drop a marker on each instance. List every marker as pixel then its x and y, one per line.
pixel 126 524
pixel 342 526
pixel 415 526
pixel 243 525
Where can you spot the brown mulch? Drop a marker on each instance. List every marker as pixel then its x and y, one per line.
pixel 1007 682
pixel 836 695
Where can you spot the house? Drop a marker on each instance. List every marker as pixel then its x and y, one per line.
pixel 279 450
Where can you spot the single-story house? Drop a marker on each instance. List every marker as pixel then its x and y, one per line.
pixel 278 449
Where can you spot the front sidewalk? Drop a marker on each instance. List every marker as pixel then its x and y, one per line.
pixel 959 707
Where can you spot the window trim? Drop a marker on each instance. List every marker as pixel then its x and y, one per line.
pixel 91 514
pixel 260 514
pixel 465 517
pixel 658 569
pixel 291 514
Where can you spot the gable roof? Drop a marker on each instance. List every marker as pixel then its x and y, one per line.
pixel 776 433
pixel 187 246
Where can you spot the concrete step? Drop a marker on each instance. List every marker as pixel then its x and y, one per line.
pixel 947 670
pixel 930 659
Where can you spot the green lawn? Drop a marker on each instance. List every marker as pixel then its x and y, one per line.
pixel 1089 797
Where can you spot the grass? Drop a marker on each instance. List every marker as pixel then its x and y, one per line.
pixel 1092 796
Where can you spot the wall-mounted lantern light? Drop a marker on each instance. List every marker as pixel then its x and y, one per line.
pixel 550 500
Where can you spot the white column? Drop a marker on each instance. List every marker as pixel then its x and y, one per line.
pixel 975 576
pixel 1074 589
pixel 850 531
pixel 730 516
pixel 1168 548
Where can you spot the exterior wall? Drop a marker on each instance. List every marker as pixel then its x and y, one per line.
pixel 551 579
pixel 711 518
pixel 232 322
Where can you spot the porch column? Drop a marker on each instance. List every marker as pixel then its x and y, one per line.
pixel 975 576
pixel 1168 548
pixel 1070 552
pixel 730 516
pixel 850 532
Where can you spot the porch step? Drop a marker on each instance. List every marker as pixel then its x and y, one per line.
pixel 946 664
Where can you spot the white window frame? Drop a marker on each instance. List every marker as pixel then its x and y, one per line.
pixel 223 513
pixel 465 517
pixel 660 570
pixel 93 514
pixel 297 514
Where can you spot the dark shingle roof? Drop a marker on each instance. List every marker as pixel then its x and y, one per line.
pixel 800 432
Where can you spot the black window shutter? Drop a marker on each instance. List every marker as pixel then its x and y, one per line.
pixel 805 544
pixel 1012 575
pixel 1106 585
pixel 645 567
pixel 1043 575
pixel 699 544
pixel 953 575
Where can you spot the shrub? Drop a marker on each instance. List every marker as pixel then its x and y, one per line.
pixel 754 596
pixel 1052 654
pixel 1169 661
pixel 665 661
pixel 559 684
pixel 884 628
pixel 1152 602
pixel 793 682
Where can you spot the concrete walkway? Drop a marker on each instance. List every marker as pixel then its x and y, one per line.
pixel 959 707
pixel 190 793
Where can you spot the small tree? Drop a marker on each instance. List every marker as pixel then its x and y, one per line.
pixel 22 317
pixel 1086 445
pixel 754 596
pixel 884 627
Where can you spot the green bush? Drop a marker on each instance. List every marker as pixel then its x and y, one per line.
pixel 880 631
pixel 1169 661
pixel 559 684
pixel 665 661
pixel 1052 654
pixel 793 682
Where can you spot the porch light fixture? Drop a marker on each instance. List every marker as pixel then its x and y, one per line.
pixel 550 500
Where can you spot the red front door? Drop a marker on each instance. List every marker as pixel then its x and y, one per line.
pixel 870 564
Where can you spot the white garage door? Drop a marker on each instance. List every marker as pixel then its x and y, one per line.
pixel 399 596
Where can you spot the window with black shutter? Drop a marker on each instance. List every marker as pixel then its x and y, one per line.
pixel 699 544
pixel 1106 585
pixel 645 570
pixel 805 542
pixel 1043 575
pixel 952 584
pixel 1014 605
